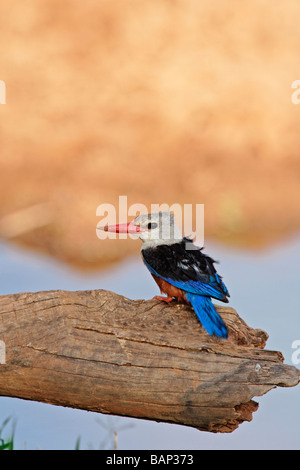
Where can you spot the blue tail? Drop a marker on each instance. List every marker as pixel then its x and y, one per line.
pixel 207 315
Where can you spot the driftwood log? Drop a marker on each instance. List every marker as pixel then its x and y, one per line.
pixel 98 351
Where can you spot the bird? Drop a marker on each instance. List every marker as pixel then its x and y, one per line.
pixel 179 267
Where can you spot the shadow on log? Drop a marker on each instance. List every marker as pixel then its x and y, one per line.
pixel 98 351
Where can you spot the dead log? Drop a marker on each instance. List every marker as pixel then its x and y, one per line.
pixel 98 351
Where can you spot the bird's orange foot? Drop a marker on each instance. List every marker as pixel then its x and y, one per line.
pixel 164 299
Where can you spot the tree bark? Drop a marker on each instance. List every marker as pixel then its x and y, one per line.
pixel 98 351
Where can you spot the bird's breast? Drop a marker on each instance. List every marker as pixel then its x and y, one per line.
pixel 172 291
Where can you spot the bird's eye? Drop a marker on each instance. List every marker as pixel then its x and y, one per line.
pixel 152 225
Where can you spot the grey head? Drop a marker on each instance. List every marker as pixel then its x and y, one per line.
pixel 157 228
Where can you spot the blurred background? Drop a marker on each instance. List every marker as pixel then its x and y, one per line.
pixel 165 102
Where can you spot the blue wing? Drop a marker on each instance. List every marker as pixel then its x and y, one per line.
pixel 212 286
pixel 187 268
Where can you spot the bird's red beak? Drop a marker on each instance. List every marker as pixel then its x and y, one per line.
pixel 122 228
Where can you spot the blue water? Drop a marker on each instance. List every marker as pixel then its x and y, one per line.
pixel 264 288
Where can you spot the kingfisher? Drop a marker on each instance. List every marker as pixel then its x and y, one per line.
pixel 180 268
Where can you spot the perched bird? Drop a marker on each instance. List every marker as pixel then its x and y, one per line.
pixel 180 268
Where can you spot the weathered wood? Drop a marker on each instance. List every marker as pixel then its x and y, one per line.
pixel 98 351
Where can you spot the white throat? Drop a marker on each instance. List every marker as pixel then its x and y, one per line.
pixel 154 243
pixel 166 236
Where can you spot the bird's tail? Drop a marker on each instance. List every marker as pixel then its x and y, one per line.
pixel 207 315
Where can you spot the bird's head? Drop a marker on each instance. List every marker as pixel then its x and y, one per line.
pixel 154 229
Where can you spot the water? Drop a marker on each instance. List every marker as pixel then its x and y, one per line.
pixel 264 288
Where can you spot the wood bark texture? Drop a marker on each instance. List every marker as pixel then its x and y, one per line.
pixel 98 351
